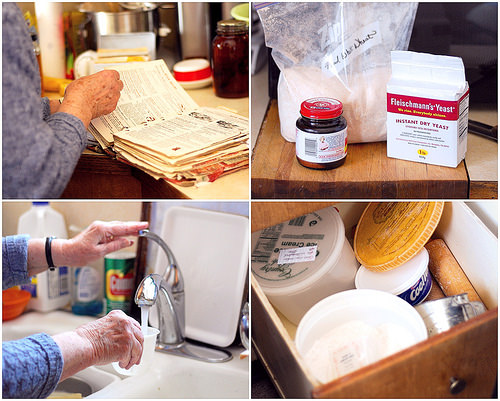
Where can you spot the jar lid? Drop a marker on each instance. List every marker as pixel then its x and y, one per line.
pixel 390 233
pixel 397 280
pixel 232 26
pixel 321 108
pixel 192 70
pixel 279 261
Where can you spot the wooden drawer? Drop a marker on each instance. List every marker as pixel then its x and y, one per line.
pixel 467 352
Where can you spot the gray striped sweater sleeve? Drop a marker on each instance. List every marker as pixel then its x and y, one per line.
pixel 39 150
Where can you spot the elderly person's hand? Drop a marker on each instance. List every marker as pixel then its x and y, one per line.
pixel 112 338
pixel 92 96
pixel 97 240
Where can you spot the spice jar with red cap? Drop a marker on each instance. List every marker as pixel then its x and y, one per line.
pixel 321 140
pixel 230 59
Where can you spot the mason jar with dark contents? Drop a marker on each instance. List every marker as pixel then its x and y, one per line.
pixel 230 59
pixel 321 141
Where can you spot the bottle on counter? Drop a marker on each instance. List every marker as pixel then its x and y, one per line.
pixel 49 289
pixel 230 59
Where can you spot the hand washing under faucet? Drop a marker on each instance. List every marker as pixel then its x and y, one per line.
pixel 167 293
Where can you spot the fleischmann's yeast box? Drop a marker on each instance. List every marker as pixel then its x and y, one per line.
pixel 427 108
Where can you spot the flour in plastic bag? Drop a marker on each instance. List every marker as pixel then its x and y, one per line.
pixel 338 50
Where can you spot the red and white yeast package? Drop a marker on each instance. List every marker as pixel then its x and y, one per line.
pixel 427 108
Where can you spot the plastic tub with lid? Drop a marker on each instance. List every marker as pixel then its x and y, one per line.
pixel 301 261
pixel 390 323
pixel 411 281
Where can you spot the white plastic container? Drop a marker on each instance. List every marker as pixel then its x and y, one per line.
pixel 411 281
pixel 50 290
pixel 299 262
pixel 371 307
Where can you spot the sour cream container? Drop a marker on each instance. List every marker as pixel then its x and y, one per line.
pixel 411 281
pixel 299 262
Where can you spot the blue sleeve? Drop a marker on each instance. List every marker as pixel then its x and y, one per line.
pixel 14 260
pixel 31 367
pixel 40 151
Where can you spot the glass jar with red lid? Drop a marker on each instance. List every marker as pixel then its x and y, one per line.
pixel 321 140
pixel 230 59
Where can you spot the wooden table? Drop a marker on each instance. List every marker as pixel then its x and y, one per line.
pixel 367 173
pixel 98 176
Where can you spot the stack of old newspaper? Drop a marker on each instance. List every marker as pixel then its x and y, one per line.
pixel 158 128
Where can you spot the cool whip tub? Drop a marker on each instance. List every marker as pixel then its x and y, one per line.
pixel 301 261
pixel 411 281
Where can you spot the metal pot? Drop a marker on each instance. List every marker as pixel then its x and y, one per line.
pixel 115 18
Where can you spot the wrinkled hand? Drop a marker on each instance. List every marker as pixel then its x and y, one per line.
pixel 97 240
pixel 115 337
pixel 92 96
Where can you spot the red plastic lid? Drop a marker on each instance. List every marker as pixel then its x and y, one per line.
pixel 321 108
pixel 192 70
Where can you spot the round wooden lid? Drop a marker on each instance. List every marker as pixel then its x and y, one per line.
pixel 390 233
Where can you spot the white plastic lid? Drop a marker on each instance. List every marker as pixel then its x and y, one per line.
pixel 291 240
pixel 396 280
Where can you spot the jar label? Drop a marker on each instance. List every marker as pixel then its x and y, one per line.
pixel 321 148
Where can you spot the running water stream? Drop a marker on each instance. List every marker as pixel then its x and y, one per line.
pixel 144 318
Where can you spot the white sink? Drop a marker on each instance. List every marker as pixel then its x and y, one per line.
pixel 168 377
pixel 85 382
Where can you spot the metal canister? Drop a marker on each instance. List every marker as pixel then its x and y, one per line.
pixel 119 280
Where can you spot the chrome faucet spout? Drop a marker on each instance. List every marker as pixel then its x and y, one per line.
pixel 166 292
pixel 171 261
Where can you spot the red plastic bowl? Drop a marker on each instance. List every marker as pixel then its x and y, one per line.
pixel 13 302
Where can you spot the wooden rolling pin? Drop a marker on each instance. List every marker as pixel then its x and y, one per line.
pixel 447 272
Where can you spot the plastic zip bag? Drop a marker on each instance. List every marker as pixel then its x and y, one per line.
pixel 337 50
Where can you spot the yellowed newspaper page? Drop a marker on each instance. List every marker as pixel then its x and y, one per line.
pixel 184 134
pixel 150 94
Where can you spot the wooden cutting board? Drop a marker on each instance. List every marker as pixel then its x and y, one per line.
pixel 367 173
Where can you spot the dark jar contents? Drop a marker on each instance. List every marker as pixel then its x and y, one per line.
pixel 230 59
pixel 321 141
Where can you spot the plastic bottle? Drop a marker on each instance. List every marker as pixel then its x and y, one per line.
pixel 50 289
pixel 86 294
pixel 86 286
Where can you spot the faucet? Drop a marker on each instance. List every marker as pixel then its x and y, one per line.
pixel 167 293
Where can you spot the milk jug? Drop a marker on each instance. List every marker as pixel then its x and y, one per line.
pixel 50 289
